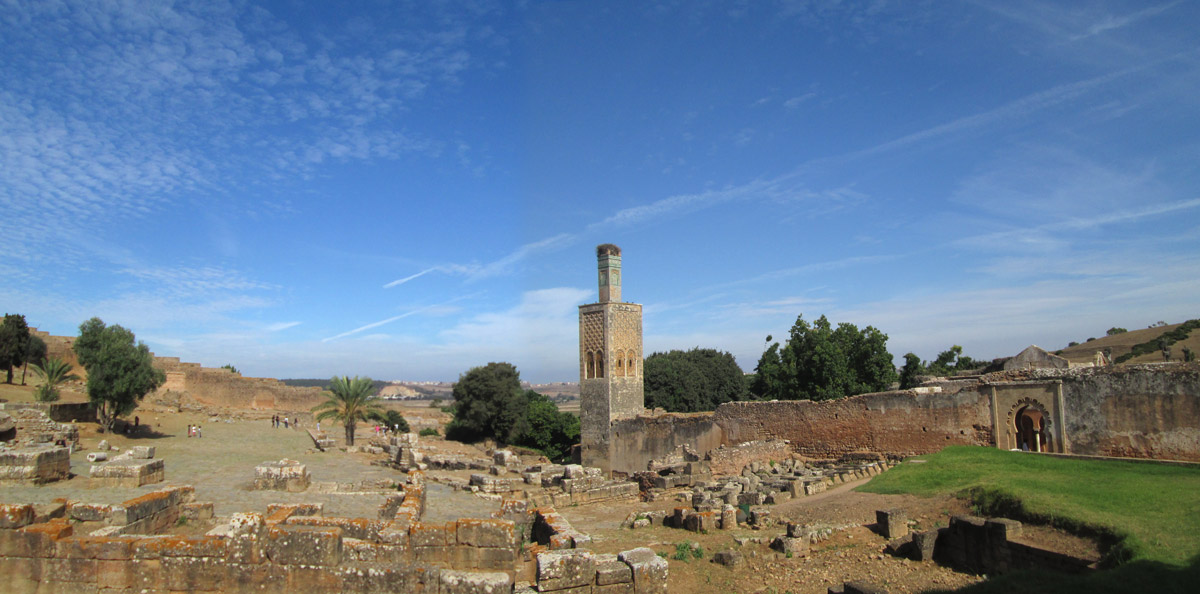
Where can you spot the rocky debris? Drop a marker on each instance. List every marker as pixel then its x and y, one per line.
pixel 729 558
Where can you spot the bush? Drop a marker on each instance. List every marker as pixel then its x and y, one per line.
pixel 429 432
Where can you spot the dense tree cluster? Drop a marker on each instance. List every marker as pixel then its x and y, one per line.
pixel 120 372
pixel 489 403
pixel 819 362
pixel 695 380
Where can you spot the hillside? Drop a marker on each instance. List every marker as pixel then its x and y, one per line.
pixel 1124 343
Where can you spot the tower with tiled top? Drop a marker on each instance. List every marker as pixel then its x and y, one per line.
pixel 610 361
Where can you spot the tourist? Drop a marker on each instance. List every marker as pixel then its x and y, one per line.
pixel 285 422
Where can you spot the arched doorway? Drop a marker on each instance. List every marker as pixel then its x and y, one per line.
pixel 1030 425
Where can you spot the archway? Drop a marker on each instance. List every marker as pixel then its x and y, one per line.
pixel 1030 426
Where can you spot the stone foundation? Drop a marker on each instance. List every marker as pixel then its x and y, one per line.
pixel 128 472
pixel 37 465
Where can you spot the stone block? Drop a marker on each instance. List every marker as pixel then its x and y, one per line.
pixel 761 518
pixel 702 521
pixel 37 465
pixel 923 545
pixel 474 582
pixel 786 545
pixel 426 534
pixel 892 523
pixel 128 472
pixel 611 570
pixel 282 475
pixel 143 452
pixel 16 515
pixel 729 558
pixel 573 471
pixel 649 570
pixel 486 533
pixel 558 570
pixel 291 546
pixel 191 574
pixel 728 517
pixel 97 457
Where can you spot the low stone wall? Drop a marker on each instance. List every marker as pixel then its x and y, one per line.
pixel 984 545
pixel 37 465
pixel 731 460
pixel 36 423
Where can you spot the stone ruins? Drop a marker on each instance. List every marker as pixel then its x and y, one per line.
pixel 699 473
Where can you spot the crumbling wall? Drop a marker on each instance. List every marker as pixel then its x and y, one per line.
pixel 1142 411
pixel 221 387
pixel 892 423
pixel 638 440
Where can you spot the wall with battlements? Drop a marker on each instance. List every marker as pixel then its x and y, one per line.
pixel 221 387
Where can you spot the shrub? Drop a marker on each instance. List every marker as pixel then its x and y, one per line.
pixel 429 432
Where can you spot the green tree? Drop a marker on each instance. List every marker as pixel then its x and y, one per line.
pixel 34 353
pixel 820 362
pixel 1115 331
pixel 768 374
pixel 690 381
pixel 547 429
pixel 912 368
pixel 14 340
pixel 54 372
pixel 488 403
pixel 392 419
pixel 230 367
pixel 950 361
pixel 348 401
pixel 120 372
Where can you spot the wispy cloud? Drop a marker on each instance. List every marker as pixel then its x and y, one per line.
pixel 401 281
pixel 387 321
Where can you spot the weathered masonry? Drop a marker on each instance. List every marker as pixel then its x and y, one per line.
pixel 610 361
pixel 1138 411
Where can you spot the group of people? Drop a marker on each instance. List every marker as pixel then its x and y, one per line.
pixel 194 431
pixel 277 420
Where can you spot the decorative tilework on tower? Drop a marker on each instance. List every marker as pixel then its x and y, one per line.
pixel 610 361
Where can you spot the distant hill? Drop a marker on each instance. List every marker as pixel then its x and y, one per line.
pixel 1123 343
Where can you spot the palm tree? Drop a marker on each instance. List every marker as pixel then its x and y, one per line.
pixel 348 401
pixel 54 372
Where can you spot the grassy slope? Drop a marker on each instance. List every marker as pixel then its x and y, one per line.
pixel 1156 506
pixel 1124 342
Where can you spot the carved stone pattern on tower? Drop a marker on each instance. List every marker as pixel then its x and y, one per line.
pixel 593 331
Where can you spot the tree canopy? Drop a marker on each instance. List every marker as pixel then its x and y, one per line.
pixel 120 372
pixel 819 362
pixel 348 401
pixel 489 403
pixel 690 381
pixel 14 340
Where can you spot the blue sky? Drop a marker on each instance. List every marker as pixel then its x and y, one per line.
pixel 408 189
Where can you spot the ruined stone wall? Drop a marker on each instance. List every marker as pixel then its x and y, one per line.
pixel 221 387
pixel 1142 411
pixel 1136 411
pixel 638 440
pixel 893 423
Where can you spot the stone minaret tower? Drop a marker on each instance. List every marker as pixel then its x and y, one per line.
pixel 610 361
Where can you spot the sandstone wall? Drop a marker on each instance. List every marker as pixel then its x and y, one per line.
pixel 893 423
pixel 221 387
pixel 1143 411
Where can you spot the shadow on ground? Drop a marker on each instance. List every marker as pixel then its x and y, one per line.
pixel 1137 576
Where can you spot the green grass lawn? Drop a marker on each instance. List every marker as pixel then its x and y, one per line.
pixel 1150 511
pixel 1154 507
